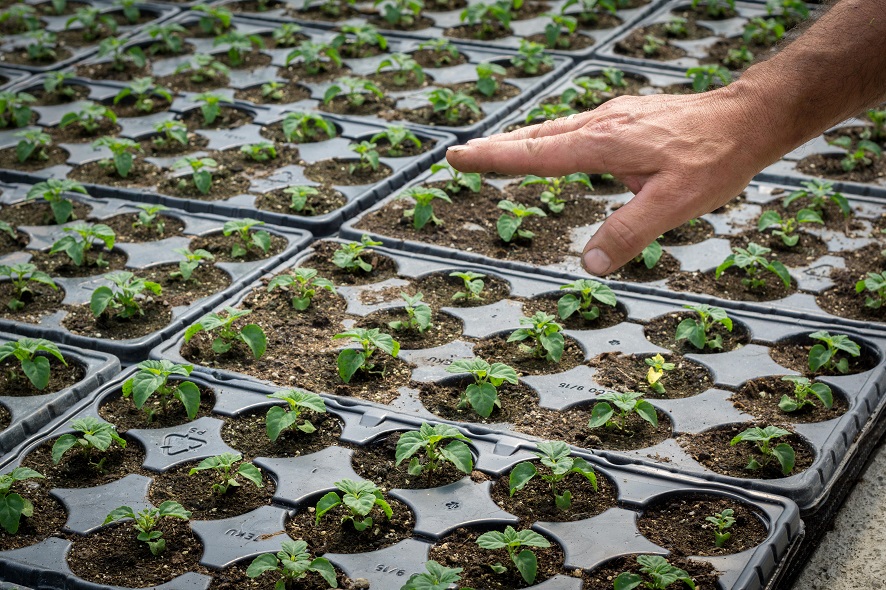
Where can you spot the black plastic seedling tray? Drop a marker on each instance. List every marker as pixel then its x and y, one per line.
pixel 831 440
pixel 28 414
pixel 140 256
pixel 11 77
pixel 437 511
pixel 357 197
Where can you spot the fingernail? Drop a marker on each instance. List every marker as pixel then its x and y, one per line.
pixel 458 148
pixel 596 262
pixel 477 140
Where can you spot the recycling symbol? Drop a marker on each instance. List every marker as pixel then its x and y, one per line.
pixel 176 444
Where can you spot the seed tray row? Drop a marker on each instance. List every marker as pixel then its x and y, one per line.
pixel 305 470
pixel 9 77
pixel 555 396
pixel 23 415
pixel 149 256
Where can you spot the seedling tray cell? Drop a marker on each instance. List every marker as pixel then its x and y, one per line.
pixel 10 77
pixel 438 510
pixel 574 387
pixel 141 257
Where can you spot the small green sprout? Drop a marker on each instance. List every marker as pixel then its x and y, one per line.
pixel 722 521
pixel 210 105
pixel 225 335
pixel 146 522
pixel 52 191
pixel 589 291
pixel 21 276
pixel 661 573
pixel 627 403
pixel 239 45
pixel 875 285
pixel 315 57
pixel 20 17
pixel 396 136
pixel 368 158
pixel 555 456
pixel 703 77
pixel 214 20
pixel 877 117
pixel 169 38
pixel 716 8
pixel 544 333
pixel 32 145
pixel 403 67
pixel 292 563
pixel 699 332
pixel 260 239
pixel 490 19
pixel 359 498
pixel 804 392
pixel 287 35
pixel 423 211
pixel 783 453
pixel 145 91
pixel 355 91
pixel 93 23
pixel 227 478
pixel 437 577
pixel 97 436
pixel 785 227
pixel 191 262
pixel 149 218
pixel 202 68
pixel 753 261
pixel 472 283
pixel 532 58
pixel 299 195
pixel 676 27
pixel 273 90
pixel 458 180
pixel 454 106
pixel 77 250
pixel 763 31
pixel 282 418
pixel 549 112
pixel 60 84
pixel 512 540
pixel 482 394
pixel 591 94
pixel 488 75
pixel 130 10
pixel 508 226
pixel 34 366
pixel 348 255
pixel 153 377
pixel 121 149
pixel 652 45
pixel 428 439
pixel 120 55
pixel 826 355
pixel 819 192
pixel 261 151
pixel 658 366
pixel 90 117
pixel 42 45
pixel 418 315
pixel 305 282
pixel 358 40
pixel 401 13
pixel 351 360
pixel 14 109
pixel 553 188
pixel 559 31
pixel 200 175
pixel 738 58
pixel 860 154
pixel 169 131
pixel 299 127
pixel 124 300
pixel 444 53
pixel 13 505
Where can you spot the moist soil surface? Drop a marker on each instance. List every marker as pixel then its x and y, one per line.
pixel 247 434
pixel 42 301
pixel 686 234
pixel 638 272
pixel 794 354
pixel 75 133
pixel 206 280
pixel 601 578
pixel 628 373
pixel 290 93
pixel 842 299
pixel 443 399
pixel 9 244
pixel 497 349
pixel 219 245
pixel 38 213
pixel 76 470
pixel 439 288
pixel 14 383
pixel 679 524
pixel 46 99
pixel 760 397
pixel 327 201
pixel 406 149
pixel 171 147
pixel 460 549
pixel 428 116
pixel 504 91
pixel 428 58
pixel 571 426
pixel 143 174
pixel 5 417
pixel 730 286
pixel 228 118
pixel 712 449
pixel 609 316
pixel 127 230
pixel 274 132
pixel 60 265
pixel 662 331
pixel 234 577
pixel 535 502
pixel 828 166
pixel 121 411
pixel 574 42
pixel 444 328
pixel 337 172
pixel 807 250
pixel 127 107
pixel 49 516
pixel 157 315
pixel 383 268
pixel 55 156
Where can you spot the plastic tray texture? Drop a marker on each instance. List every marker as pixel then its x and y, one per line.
pixel 10 77
pixel 576 387
pixel 302 480
pixel 139 256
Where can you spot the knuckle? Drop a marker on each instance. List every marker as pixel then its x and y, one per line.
pixel 623 236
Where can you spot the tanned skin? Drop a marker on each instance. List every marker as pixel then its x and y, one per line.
pixel 684 156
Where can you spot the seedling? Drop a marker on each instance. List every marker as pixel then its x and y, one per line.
pixel 589 9
pixel 555 456
pixel 287 35
pixel 315 57
pixel 280 419
pixel 200 175
pixel 91 117
pixel 401 13
pixel 444 52
pixel 203 68
pixel 488 75
pixel 532 58
pixel 89 234
pixel 273 90
pixel 423 212
pixel 239 45
pixel 826 355
pixel 590 95
pixel 41 45
pixel 214 20
pixel 360 39
pixel 299 195
pixel 354 90
pixel 490 19
pixel 704 77
pixel 559 31
pixel 97 437
pixel 210 105
pixel 34 366
pixel 783 453
pixel 121 149
pixel 652 45
pixel 123 300
pixel 348 255
pixel 788 11
pixel 860 154
pixel 553 188
pixel 513 541
pixel 21 276
pixel 146 522
pixel 301 127
pixel 32 145
pixel 875 285
pixel 52 191
pixel 877 117
pixel 660 573
pixel 368 155
pixel 549 111
pixel 153 377
pixel 225 335
pixel 453 106
pixel 191 262
pixel 753 261
pixel 149 218
pixel 544 334
pixel 428 438
pixel 472 283
pixel 657 368
pixel 130 10
pixel 482 394
pixel 676 27
pixel 305 282
pixel 58 83
pixel 169 38
pixel 509 224
pixel 144 91
pixel 738 58
pixel 589 291
pixel 292 563
pixel 716 8
pixel 93 23
pixel 804 392
pixel 120 56
pixel 248 238
pixel 763 31
pixel 359 498
pixel 351 360
pixel 12 505
pixel 403 67
pixel 396 136
pixel 418 315
pixel 169 131
pixel 459 180
pixel 819 192
pixel 722 521
pixel 699 331
pixel 437 577
pixel 626 403
pixel 785 227
pixel 20 17
pixel 261 151
pixel 226 477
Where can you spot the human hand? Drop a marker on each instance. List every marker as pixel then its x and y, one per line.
pixel 681 155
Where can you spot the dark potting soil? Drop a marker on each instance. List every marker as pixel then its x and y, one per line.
pixel 220 245
pixel 632 46
pixel 686 234
pixel 121 411
pixel 114 556
pixel 498 349
pixel 418 24
pixel 571 426
pixel 291 93
pixel 861 261
pixel 828 166
pixel 20 57
pixel 333 536
pixel 274 132
pixel 609 316
pixel 719 51
pixel 226 182
pixel 75 133
pixel 760 397
pixel 831 214
pixel 856 133
pixel 248 434
pixel 327 72
pixel 182 82
pixel 194 492
pixel 206 280
pixel 327 201
pixel 5 417
pixel 76 470
pixel 316 13
pixel 255 6
pixel 46 99
pixel 377 463
pixel 637 271
pixel 249 61
pixel 663 329
pixel 48 519
pixel 601 578
pixel 14 383
pixel 428 58
pixel 628 373
pixel 234 577
pixel 407 149
pixel 438 288
pixel 444 328
pixel 428 116
pixel 574 42
pixel 535 502
pixel 157 315
pixel 442 399
pixel 476 32
pixel 42 301
pixel 712 449
pixel 38 213
pixel 794 354
pixel 128 230
pixel 337 171
pixel 143 174
pixel 389 81
pixel 228 118
pixel 8 244
pixel 107 71
pixel 700 13
pixel 171 147
pixel 383 268
pixel 842 299
pixel 55 156
pixel 806 251
pixel 504 92
pixel 127 107
pixel 460 549
pixel 679 524
pixel 730 286
pixel 351 50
